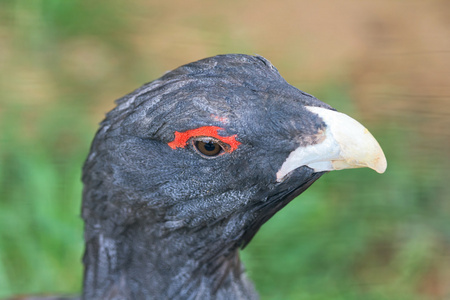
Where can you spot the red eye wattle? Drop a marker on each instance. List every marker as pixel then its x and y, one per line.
pixel 181 138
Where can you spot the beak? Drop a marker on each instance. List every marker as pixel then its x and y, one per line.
pixel 345 144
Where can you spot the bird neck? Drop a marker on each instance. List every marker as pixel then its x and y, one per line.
pixel 142 264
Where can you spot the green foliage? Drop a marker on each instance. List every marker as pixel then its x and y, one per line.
pixel 40 190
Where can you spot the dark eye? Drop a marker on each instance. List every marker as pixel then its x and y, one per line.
pixel 209 148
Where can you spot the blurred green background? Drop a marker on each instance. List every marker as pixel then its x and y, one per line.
pixel 354 234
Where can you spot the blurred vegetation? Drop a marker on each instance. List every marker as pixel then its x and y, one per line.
pixel 353 235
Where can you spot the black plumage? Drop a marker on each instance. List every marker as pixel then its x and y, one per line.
pixel 164 220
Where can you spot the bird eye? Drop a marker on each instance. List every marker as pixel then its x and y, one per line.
pixel 208 148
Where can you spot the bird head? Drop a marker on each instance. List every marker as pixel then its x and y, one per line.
pixel 210 151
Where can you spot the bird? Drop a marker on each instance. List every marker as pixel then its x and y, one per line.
pixel 185 170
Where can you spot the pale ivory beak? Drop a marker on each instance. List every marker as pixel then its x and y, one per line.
pixel 345 144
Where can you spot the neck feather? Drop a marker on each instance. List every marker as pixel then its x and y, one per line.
pixel 139 264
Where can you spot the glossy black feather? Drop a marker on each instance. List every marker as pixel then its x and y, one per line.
pixel 163 223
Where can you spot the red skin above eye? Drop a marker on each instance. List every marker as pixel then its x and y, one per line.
pixel 181 138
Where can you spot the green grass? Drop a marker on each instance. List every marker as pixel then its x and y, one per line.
pixel 354 234
pixel 41 231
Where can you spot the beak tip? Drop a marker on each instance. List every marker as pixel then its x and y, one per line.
pixel 380 164
pixel 382 168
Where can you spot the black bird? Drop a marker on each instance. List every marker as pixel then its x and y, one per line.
pixel 186 169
